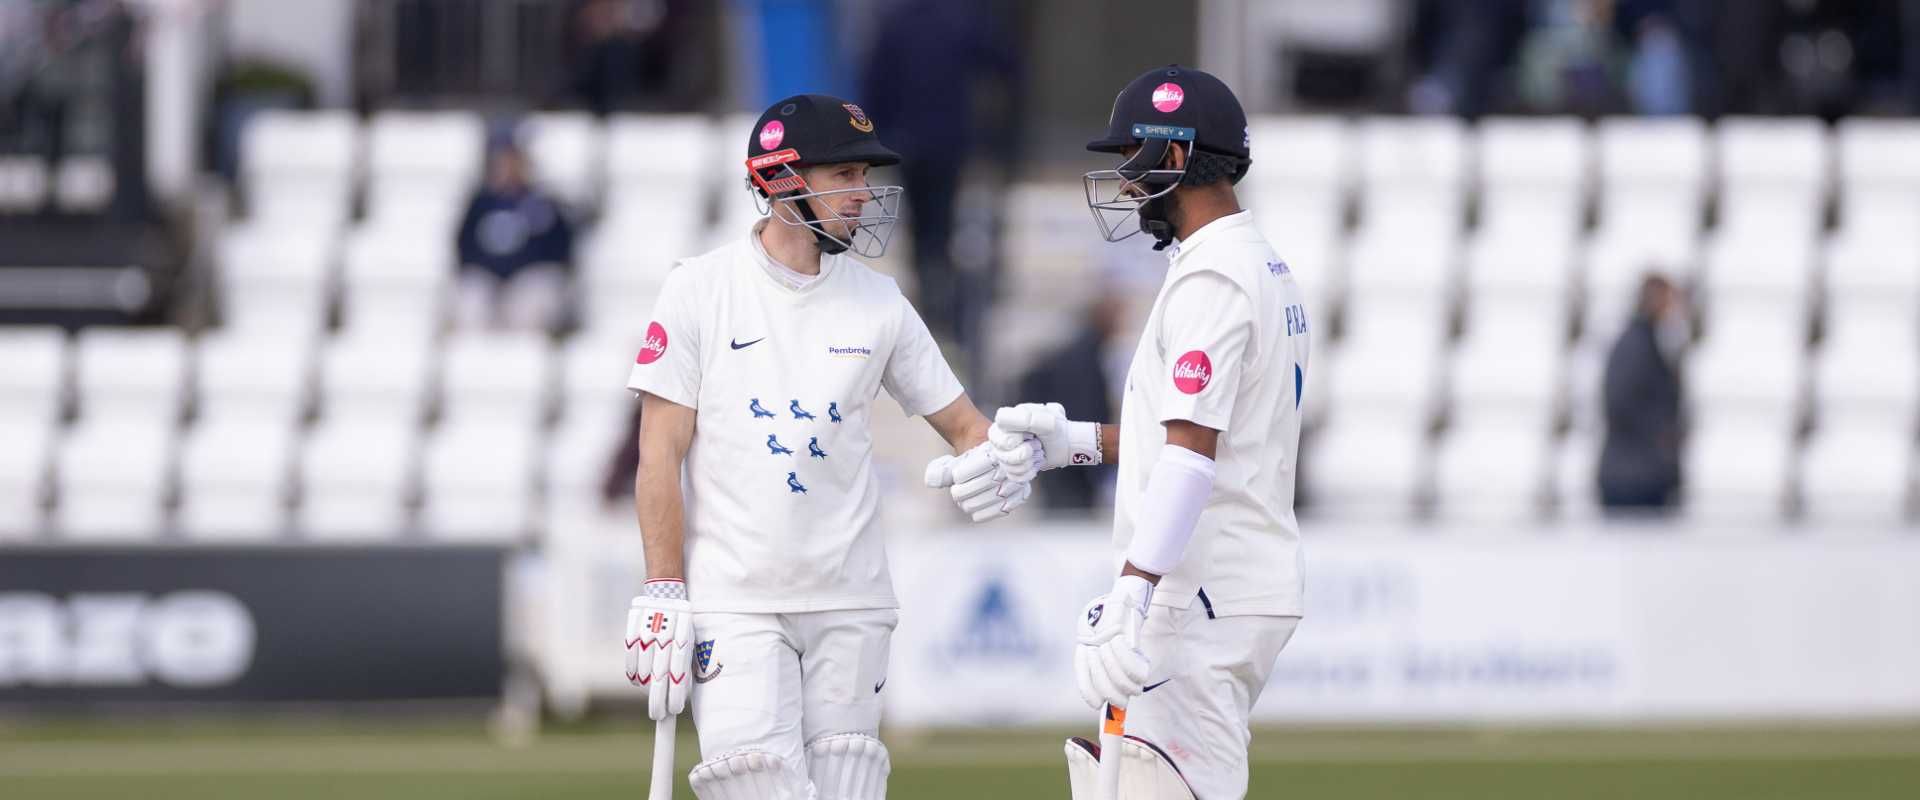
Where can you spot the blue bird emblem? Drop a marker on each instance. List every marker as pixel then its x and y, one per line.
pixel 758 412
pixel 833 411
pixel 774 445
pixel 793 484
pixel 798 412
pixel 813 448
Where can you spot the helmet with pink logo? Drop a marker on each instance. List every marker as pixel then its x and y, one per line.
pixel 811 130
pixel 1165 108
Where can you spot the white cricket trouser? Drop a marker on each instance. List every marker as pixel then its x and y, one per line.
pixel 1214 670
pixel 774 682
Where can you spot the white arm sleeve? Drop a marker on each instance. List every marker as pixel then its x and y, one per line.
pixel 1177 490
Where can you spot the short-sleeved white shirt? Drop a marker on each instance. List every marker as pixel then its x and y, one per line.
pixel 779 485
pixel 1225 347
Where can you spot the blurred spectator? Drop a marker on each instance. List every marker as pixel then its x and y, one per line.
pixel 640 54
pixel 919 84
pixel 1640 461
pixel 516 251
pixel 1076 376
pixel 1463 47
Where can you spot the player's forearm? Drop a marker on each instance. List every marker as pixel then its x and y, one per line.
pixel 1109 443
pixel 662 522
pixel 960 424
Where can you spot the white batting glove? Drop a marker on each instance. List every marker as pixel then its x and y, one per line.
pixel 660 645
pixel 1109 664
pixel 1063 442
pixel 981 484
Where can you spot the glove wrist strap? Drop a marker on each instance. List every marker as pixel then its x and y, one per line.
pixel 1083 444
pixel 664 589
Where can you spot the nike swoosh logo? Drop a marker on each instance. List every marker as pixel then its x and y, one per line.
pixel 878 686
pixel 738 346
pixel 1154 686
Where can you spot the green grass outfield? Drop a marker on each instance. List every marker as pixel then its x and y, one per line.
pixel 370 761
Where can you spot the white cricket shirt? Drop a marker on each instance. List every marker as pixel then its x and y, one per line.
pixel 779 486
pixel 1225 347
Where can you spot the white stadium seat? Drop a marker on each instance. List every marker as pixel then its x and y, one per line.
pixel 495 378
pixel 112 480
pixel 1773 173
pixel 300 167
pixel 566 150
pixel 1853 474
pixel 1868 377
pixel 1879 175
pixel 1532 262
pixel 1306 168
pixel 1495 472
pixel 477 482
pixel 275 276
pixel 1653 174
pixel 1402 264
pixel 371 378
pixel 1396 383
pixel 133 374
pixel 1878 151
pixel 579 451
pixel 1753 366
pixel 33 374
pixel 423 166
pixel 1413 173
pixel 1507 369
pixel 1666 153
pixel 1364 469
pixel 1533 170
pixel 1313 152
pixel 1736 468
pixel 24 463
pixel 634 256
pixel 1576 474
pixel 1775 269
pixel 244 376
pixel 396 277
pixel 1874 267
pixel 235 479
pixel 654 161
pixel 357 479
pixel 594 370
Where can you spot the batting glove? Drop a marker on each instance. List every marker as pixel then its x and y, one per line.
pixel 1063 442
pixel 1108 662
pixel 660 645
pixel 982 482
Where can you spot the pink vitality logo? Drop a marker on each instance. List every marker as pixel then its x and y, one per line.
pixel 1167 97
pixel 655 346
pixel 772 134
pixel 1192 372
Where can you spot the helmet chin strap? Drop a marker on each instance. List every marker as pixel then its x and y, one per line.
pixel 827 244
pixel 1154 212
pixel 1154 222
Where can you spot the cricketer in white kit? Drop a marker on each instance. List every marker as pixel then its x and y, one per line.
pixel 768 598
pixel 1207 547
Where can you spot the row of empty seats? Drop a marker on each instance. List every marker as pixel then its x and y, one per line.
pixel 512 415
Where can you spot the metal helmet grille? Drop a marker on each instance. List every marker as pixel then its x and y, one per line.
pixel 866 236
pixel 1116 196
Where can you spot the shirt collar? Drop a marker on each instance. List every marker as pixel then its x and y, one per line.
pixel 782 275
pixel 1212 230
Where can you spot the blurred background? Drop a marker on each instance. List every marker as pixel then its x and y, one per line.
pixel 315 317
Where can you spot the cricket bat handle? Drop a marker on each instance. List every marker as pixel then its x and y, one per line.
pixel 662 777
pixel 1113 728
